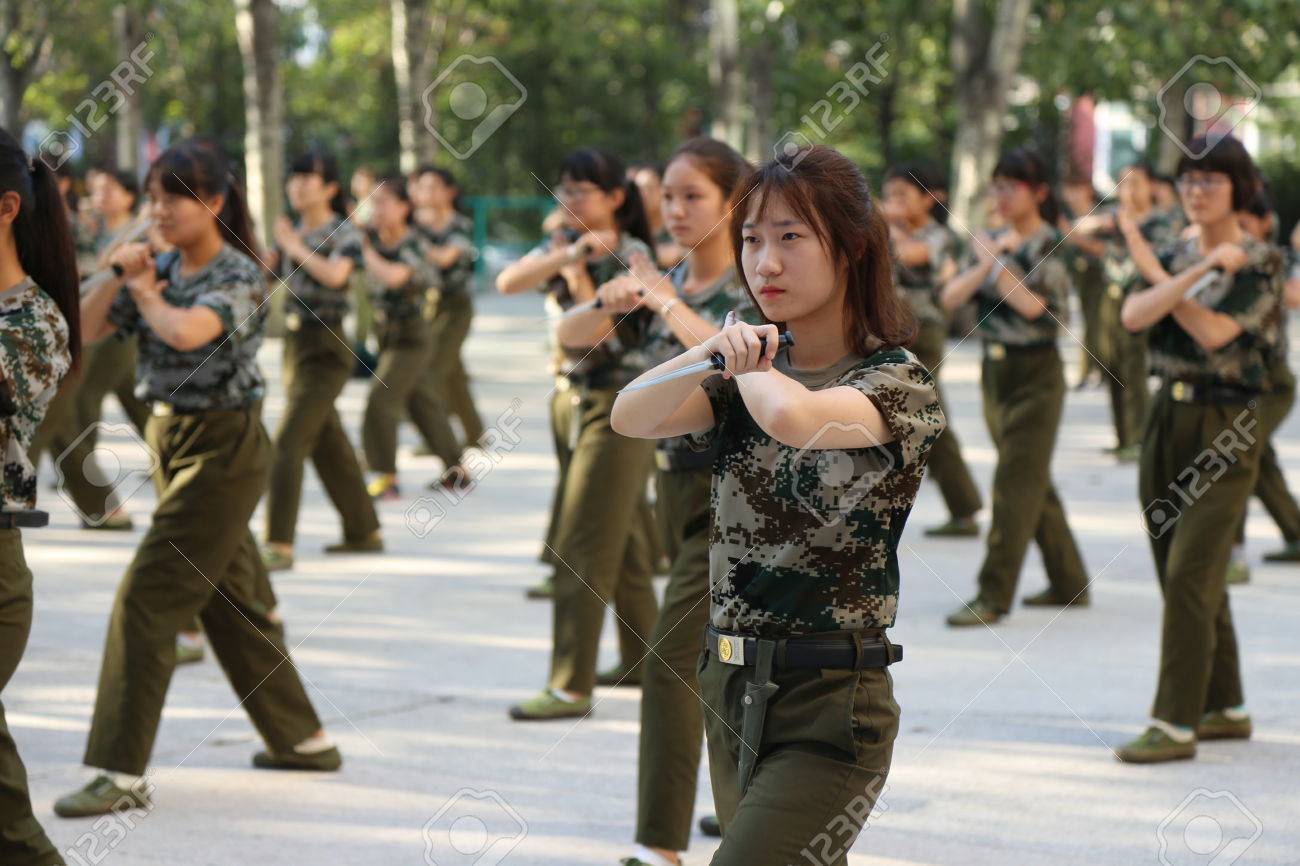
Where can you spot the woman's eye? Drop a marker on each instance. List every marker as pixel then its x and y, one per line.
pixel 749 239
pixel 790 236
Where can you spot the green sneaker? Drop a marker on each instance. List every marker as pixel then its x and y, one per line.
pixel 187 654
pixel 101 797
pixel 319 762
pixel 618 675
pixel 547 706
pixel 1128 454
pixel 1289 553
pixel 1154 747
pixel 275 559
pixel 1049 598
pixel 710 826
pixel 957 527
pixel 542 591
pixel 372 543
pixel 1219 725
pixel 1238 573
pixel 974 612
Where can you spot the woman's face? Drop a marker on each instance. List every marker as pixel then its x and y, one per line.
pixel 308 191
pixel 1135 189
pixel 390 211
pixel 693 206
pixel 435 191
pixel 180 220
pixel 905 199
pixel 587 206
pixel 789 270
pixel 109 198
pixel 1206 196
pixel 1015 199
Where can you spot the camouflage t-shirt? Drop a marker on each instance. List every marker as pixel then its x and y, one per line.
pixel 457 233
pixel 308 297
pixel 1159 227
pixel 919 284
pixel 622 357
pixel 34 358
pixel 711 304
pixel 411 300
pixel 806 540
pixel 1252 296
pixel 1040 265
pixel 224 373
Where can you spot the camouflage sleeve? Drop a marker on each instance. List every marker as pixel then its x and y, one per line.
pixel 1050 280
pixel 235 299
pixel 348 245
pixel 905 395
pixel 414 254
pixel 722 394
pixel 1255 301
pixel 939 241
pixel 461 241
pixel 124 314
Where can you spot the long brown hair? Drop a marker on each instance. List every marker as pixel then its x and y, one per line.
pixel 829 193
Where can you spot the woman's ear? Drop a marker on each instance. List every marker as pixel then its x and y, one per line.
pixel 11 203
pixel 618 196
pixel 215 203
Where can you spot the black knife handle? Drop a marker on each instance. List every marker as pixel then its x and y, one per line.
pixel 785 341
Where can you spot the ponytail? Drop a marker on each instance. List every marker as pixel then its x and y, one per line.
pixel 43 235
pixel 631 217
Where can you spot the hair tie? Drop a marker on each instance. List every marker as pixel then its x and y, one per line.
pixel 31 164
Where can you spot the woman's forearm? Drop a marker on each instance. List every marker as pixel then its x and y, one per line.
pixel 643 414
pixel 531 271
pixel 962 287
pixel 94 311
pixel 1143 309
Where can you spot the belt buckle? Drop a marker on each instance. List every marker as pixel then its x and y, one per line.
pixel 997 351
pixel 293 321
pixel 731 649
pixel 161 409
pixel 1181 392
pixel 1115 291
pixel 662 462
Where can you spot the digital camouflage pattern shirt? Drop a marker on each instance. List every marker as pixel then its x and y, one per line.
pixel 1252 296
pixel 805 540
pixel 411 300
pixel 458 233
pixel 1160 228
pixel 310 299
pixel 919 284
pixel 224 373
pixel 1040 265
pixel 34 358
pixel 712 303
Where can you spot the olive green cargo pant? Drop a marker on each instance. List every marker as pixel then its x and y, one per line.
pixel 1271 489
pixel 1091 283
pixel 198 557
pixel 672 718
pixel 451 326
pixel 1024 394
pixel 1125 357
pixel 945 465
pixel 60 433
pixel 602 557
pixel 1199 465
pixel 825 753
pixel 405 347
pixel 108 367
pixel 22 841
pixel 317 364
pixel 429 404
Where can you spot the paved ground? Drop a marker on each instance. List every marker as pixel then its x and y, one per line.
pixel 413 657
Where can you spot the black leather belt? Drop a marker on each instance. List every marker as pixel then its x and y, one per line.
pixel 1199 392
pixel 843 651
pixel 30 519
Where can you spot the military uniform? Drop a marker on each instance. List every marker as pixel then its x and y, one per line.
pixel 919 286
pixel 1090 283
pixel 403 317
pixel 804 580
pixel 198 556
pixel 672 718
pixel 447 386
pixel 317 364
pixel 604 491
pixel 1124 353
pixel 34 356
pixel 1200 461
pixel 1023 383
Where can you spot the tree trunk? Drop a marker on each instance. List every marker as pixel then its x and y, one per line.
pixel 12 87
pixel 255 23
pixel 25 44
pixel 984 63
pixel 413 58
pixel 724 71
pixel 758 144
pixel 129 120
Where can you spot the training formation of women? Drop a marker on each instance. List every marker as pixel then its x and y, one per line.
pixel 648 433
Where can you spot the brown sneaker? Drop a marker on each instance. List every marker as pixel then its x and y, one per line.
pixel 975 612
pixel 1220 725
pixel 1155 747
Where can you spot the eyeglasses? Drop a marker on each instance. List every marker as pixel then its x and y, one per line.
pixel 1204 182
pixel 576 193
pixel 1008 187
